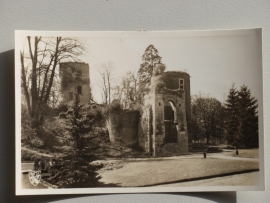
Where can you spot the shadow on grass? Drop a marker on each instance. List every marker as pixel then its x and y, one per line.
pixel 203 178
pixel 106 185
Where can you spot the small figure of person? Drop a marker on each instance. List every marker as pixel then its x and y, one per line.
pixel 204 154
pixel 237 153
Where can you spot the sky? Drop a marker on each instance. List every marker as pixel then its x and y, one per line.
pixel 213 59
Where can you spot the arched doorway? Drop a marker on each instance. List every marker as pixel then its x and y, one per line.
pixel 170 122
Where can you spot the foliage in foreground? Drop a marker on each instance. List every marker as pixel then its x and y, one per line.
pixel 73 171
pixel 70 169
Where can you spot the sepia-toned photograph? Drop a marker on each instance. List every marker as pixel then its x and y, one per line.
pixel 138 111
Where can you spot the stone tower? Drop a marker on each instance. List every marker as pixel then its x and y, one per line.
pixel 74 78
pixel 166 115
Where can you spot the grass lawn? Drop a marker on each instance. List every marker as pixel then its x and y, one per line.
pixel 143 173
pixel 27 166
pixel 245 153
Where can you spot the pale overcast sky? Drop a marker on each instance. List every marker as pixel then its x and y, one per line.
pixel 213 59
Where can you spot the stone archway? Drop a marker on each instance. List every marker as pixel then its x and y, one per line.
pixel 170 122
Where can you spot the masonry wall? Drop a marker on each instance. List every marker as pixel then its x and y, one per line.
pixel 123 127
pixel 73 75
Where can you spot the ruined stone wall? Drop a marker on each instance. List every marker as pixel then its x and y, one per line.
pixel 73 75
pixel 144 128
pixel 123 127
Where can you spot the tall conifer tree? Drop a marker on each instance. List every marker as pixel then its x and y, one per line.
pixel 150 61
pixel 247 118
pixel 242 118
pixel 231 114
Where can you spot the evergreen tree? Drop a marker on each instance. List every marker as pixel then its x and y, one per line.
pixel 73 170
pixel 242 118
pixel 150 61
pixel 231 114
pixel 247 119
pixel 79 124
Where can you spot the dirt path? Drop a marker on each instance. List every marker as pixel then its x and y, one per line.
pixel 35 152
pixel 225 156
pixel 246 179
pixel 209 155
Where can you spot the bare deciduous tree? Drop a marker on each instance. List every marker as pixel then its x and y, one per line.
pixel 207 113
pixel 39 61
pixel 127 91
pixel 106 72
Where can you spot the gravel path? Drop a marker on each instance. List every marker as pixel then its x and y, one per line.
pixel 246 179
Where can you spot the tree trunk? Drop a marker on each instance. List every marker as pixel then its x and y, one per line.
pixel 207 138
pixel 58 40
pixel 25 87
pixel 34 92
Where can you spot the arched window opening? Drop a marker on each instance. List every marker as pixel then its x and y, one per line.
pixel 170 113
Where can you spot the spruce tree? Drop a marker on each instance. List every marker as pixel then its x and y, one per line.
pixel 242 118
pixel 231 115
pixel 79 124
pixel 72 170
pixel 247 118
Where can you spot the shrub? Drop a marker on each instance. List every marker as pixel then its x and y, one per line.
pixel 96 116
pixel 62 108
pixel 37 142
pixel 115 106
pixel 73 171
pixel 48 138
pixel 27 133
pixel 50 112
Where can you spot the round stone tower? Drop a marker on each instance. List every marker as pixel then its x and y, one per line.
pixel 173 80
pixel 167 113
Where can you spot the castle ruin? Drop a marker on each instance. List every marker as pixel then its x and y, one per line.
pixel 74 80
pixel 163 126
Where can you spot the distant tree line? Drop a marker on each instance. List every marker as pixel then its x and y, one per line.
pixel 235 121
